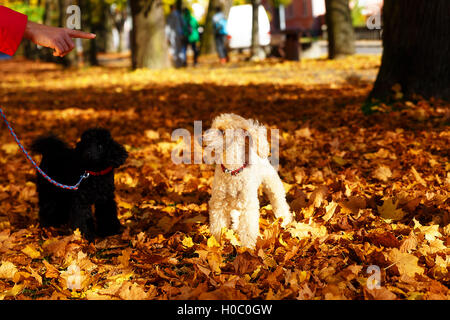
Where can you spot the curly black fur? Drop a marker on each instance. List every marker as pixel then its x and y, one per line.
pixel 96 151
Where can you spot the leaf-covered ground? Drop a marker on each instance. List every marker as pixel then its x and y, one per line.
pixel 366 190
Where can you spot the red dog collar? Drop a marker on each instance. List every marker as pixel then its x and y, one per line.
pixel 100 173
pixel 234 172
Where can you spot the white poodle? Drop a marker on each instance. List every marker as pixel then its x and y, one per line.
pixel 240 149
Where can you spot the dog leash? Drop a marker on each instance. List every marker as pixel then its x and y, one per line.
pixel 60 185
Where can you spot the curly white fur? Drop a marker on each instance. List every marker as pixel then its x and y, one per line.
pixel 234 199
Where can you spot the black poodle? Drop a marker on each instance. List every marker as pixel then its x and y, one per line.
pixel 97 154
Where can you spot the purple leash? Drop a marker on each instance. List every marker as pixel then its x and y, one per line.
pixel 60 185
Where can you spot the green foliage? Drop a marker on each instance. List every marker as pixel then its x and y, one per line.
pixel 277 3
pixel 358 19
pixel 32 9
pixel 120 4
pixel 239 2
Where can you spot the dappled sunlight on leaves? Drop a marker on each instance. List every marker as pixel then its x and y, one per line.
pixel 365 190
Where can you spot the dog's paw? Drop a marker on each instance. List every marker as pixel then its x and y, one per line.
pixel 90 237
pixel 87 234
pixel 86 228
pixel 110 229
pixel 286 220
pixel 248 241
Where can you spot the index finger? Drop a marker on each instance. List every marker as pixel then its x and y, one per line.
pixel 80 34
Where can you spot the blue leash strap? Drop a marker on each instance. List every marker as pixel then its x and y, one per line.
pixel 60 185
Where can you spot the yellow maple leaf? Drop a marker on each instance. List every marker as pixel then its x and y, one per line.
pixel 405 262
pixel 430 232
pixel 7 270
pixel 382 173
pixel 187 242
pixel 31 252
pixel 389 210
pixel 132 291
pixel 212 242
pixel 302 230
pixel 231 236
pixel 77 234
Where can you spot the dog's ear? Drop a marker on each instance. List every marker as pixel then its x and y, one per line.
pixel 259 140
pixel 116 154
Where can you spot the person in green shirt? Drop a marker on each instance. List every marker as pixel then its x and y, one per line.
pixel 191 35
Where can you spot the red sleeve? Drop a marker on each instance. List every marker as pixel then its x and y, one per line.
pixel 12 27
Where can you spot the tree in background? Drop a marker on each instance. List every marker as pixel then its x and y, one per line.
pixel 341 36
pixel 256 52
pixel 416 54
pixel 148 39
pixel 276 12
pixel 88 11
pixel 207 42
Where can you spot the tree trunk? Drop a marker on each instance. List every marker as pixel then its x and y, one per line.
pixel 148 40
pixel 416 54
pixel 227 4
pixel 255 28
pixel 276 18
pixel 341 37
pixel 89 47
pixel 207 43
pixel 256 52
pixel 101 25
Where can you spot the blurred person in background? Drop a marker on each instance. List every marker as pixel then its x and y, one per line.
pixel 220 34
pixel 174 34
